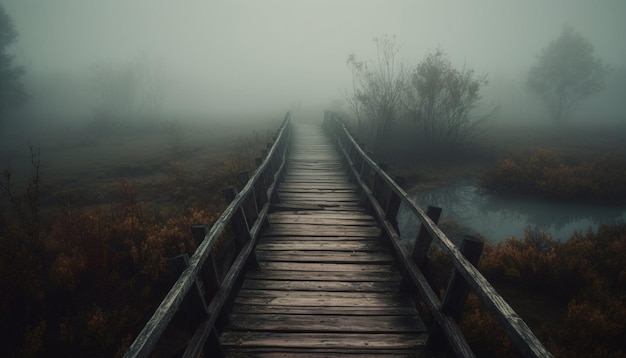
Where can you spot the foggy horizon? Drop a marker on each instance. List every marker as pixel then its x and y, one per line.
pixel 246 56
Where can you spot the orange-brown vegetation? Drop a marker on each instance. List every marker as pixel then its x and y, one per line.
pixel 82 281
pixel 571 293
pixel 545 173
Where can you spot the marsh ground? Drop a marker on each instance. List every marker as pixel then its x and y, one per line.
pixel 427 167
pixel 83 165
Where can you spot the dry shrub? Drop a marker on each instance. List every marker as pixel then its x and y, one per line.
pixel 485 335
pixel 99 274
pixel 85 281
pixel 584 277
pixel 544 173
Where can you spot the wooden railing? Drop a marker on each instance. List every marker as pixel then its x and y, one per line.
pixel 384 196
pixel 200 281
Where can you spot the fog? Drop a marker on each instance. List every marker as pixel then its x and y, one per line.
pixel 229 57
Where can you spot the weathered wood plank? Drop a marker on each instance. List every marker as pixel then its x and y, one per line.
pixel 313 352
pixel 318 186
pixel 310 267
pixel 366 296
pixel 371 286
pixel 325 256
pixel 317 220
pixel 336 323
pixel 347 276
pixel 320 239
pixel 317 245
pixel 340 197
pixel 353 215
pixel 327 230
pixel 323 340
pixel 371 311
pixel 313 206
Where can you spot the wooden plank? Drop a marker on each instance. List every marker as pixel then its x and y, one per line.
pixel 299 294
pixel 312 352
pixel 331 186
pixel 317 196
pixel 343 245
pixel 346 276
pixel 297 256
pixel 320 191
pixel 371 311
pixel 328 230
pixel 318 220
pixel 323 340
pixel 311 267
pixel 313 206
pixel 352 215
pixel 326 204
pixel 326 323
pixel 305 238
pixel 330 286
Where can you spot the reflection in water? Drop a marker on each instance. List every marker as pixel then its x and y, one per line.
pixel 497 218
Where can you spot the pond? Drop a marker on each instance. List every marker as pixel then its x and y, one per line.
pixel 497 218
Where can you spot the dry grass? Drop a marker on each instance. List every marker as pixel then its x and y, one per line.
pixel 83 167
pixel 82 275
pixel 502 139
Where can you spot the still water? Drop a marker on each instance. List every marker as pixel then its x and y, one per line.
pixel 497 218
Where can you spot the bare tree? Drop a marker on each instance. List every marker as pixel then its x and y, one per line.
pixel 443 101
pixel 377 91
pixel 565 74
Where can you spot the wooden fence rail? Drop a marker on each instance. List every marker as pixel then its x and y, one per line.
pixel 384 196
pixel 245 215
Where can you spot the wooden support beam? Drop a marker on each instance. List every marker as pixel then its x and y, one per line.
pixel 209 271
pixel 239 220
pixel 249 204
pixel 393 205
pixel 193 305
pixel 457 292
pixel 424 238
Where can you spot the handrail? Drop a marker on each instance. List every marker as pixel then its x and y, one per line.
pixel 154 328
pixel 521 335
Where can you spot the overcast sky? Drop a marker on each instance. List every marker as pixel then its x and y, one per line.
pixel 266 53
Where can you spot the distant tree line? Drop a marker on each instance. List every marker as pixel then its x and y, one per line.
pixel 444 102
pixel 440 100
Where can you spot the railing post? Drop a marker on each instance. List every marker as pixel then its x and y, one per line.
pixel 271 165
pixel 422 244
pixel 249 204
pixel 457 292
pixel 241 227
pixel 209 270
pixel 261 186
pixel 424 239
pixel 212 346
pixel 393 206
pixel 359 164
pixel 193 304
pixel 195 308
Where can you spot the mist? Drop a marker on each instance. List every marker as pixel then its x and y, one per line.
pixel 223 57
pixel 140 113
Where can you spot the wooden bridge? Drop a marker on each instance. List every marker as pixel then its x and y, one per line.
pixel 307 260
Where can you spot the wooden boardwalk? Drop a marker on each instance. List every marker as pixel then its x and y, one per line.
pixel 325 284
pixel 309 272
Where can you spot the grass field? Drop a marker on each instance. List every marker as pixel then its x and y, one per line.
pixel 83 166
